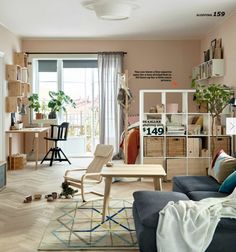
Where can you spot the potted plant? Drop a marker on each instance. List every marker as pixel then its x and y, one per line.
pixel 35 105
pixel 217 97
pixel 59 101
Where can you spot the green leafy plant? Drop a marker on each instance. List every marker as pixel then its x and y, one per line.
pixel 59 101
pixel 217 97
pixel 34 103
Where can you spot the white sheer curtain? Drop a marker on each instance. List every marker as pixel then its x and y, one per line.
pixel 109 67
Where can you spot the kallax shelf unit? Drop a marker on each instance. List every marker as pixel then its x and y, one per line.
pixel 180 141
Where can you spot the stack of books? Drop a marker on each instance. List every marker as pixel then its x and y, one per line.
pixel 175 129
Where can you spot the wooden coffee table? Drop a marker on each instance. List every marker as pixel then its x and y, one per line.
pixel 156 172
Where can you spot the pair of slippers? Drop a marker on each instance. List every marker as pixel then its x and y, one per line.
pixel 28 199
pixel 37 196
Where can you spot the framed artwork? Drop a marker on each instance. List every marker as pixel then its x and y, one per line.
pixel 213 43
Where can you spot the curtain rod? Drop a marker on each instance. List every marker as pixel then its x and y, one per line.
pixel 72 52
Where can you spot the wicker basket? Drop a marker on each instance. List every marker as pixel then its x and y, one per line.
pixel 153 146
pixel 18 161
pixel 175 147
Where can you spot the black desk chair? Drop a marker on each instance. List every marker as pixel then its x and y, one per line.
pixel 58 133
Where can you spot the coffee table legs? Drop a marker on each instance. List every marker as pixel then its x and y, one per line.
pixel 108 181
pixel 157 183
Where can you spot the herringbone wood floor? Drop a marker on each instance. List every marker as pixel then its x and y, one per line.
pixel 22 225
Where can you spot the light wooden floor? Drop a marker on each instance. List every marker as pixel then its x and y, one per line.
pixel 22 225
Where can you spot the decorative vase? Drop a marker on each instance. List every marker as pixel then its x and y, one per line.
pixel 52 115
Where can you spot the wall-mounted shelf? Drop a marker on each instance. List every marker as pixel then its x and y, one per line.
pixel 208 69
pixel 18 87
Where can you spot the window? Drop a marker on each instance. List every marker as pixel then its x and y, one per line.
pixel 78 79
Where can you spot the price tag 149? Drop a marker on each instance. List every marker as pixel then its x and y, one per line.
pixel 153 130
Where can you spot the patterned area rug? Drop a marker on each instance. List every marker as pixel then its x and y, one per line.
pixel 77 225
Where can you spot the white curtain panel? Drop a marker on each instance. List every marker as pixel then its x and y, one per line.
pixel 110 65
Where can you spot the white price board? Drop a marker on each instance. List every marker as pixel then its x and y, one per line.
pixel 153 130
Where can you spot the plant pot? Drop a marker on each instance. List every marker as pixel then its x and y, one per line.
pixel 39 116
pixel 52 115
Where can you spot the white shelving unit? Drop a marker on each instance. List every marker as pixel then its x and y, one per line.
pixel 185 153
pixel 208 69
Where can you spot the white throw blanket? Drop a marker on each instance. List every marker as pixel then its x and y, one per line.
pixel 190 225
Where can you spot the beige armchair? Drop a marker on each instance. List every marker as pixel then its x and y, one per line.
pixel 90 175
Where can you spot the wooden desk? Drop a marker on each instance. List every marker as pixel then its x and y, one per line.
pixel 36 132
pixel 156 172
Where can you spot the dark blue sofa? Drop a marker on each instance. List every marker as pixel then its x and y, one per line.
pixel 147 205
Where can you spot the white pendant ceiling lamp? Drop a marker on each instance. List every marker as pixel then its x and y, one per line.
pixel 112 9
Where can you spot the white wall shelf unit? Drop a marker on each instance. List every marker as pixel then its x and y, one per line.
pixel 208 69
pixel 180 141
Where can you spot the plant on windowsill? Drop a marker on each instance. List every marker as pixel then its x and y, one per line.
pixel 35 105
pixel 59 101
pixel 217 97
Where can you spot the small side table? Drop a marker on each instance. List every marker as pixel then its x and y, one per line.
pixel 3 174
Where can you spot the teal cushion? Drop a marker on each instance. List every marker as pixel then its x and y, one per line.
pixel 229 184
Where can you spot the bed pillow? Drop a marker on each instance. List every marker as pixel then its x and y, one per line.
pixel 222 166
pixel 229 184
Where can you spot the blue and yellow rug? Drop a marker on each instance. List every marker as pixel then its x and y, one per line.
pixel 78 226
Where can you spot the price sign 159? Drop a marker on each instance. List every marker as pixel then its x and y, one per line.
pixel 153 130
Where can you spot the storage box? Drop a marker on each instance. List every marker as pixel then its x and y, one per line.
pixel 153 146
pixel 198 166
pixel 176 167
pixel 20 59
pixel 175 147
pixel 13 72
pixel 15 88
pixel 222 143
pixel 194 146
pixel 18 161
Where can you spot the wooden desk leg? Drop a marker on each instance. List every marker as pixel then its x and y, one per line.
pixel 107 190
pixel 157 181
pixel 10 150
pixel 36 150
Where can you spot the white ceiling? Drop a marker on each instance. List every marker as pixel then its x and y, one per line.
pixel 155 19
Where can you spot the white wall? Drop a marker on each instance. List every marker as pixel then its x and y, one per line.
pixel 9 43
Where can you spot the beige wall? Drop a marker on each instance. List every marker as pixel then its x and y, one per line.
pixel 176 56
pixel 227 32
pixel 9 43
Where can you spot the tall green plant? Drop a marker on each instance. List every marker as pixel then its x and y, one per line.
pixel 217 97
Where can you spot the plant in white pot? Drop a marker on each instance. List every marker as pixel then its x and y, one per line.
pixel 59 101
pixel 217 97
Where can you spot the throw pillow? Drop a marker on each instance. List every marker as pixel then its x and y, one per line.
pixel 229 184
pixel 222 166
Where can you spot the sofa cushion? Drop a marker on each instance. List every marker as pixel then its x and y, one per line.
pixel 149 203
pixel 229 184
pixel 186 184
pixel 222 166
pixel 199 195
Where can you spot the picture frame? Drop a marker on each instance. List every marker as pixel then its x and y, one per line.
pixel 213 43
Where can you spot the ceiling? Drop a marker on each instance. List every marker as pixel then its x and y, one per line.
pixel 155 19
